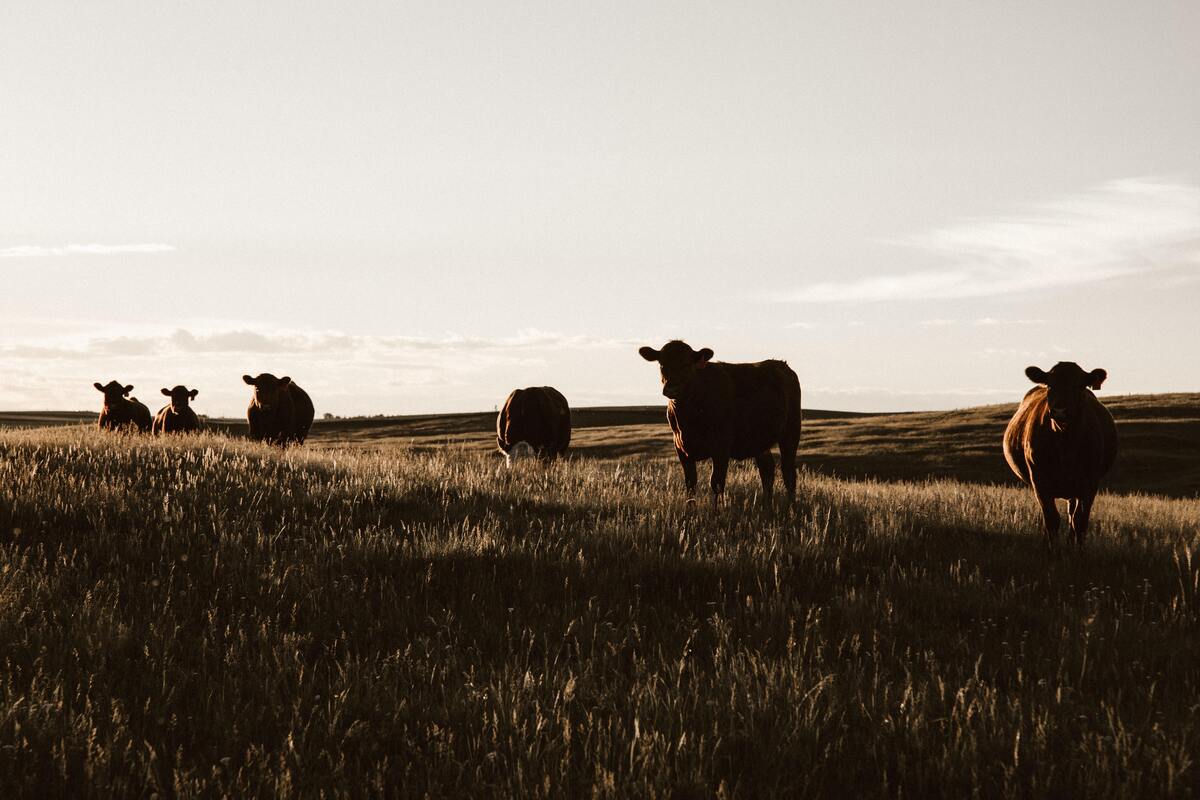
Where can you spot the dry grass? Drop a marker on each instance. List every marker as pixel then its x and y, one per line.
pixel 204 615
pixel 1160 440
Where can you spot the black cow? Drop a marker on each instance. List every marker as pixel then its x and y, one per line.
pixel 120 410
pixel 177 416
pixel 280 412
pixel 723 411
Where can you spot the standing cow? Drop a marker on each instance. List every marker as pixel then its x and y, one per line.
pixel 120 410
pixel 534 420
pixel 1061 442
pixel 177 416
pixel 280 412
pixel 723 411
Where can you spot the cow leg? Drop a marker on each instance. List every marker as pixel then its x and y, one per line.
pixel 1050 517
pixel 720 469
pixel 787 465
pixel 766 471
pixel 1080 515
pixel 689 476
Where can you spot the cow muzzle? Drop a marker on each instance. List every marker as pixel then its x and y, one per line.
pixel 518 451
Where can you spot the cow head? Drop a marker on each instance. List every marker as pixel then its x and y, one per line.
pixel 268 390
pixel 114 392
pixel 517 452
pixel 180 396
pixel 1066 384
pixel 677 364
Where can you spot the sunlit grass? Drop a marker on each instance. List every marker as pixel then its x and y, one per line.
pixel 201 615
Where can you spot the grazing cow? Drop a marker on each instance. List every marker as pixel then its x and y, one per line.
pixel 723 411
pixel 280 412
pixel 536 420
pixel 1061 441
pixel 177 416
pixel 120 410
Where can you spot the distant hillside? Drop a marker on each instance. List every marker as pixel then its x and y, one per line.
pixel 1159 445
pixel 1160 439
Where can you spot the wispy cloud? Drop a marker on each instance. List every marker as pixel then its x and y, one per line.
pixel 1120 228
pixel 981 322
pixel 296 343
pixel 43 251
pixel 884 391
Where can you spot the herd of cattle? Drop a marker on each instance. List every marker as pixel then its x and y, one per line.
pixel 280 412
pixel 1060 442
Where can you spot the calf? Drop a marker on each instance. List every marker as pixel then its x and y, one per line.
pixel 120 410
pixel 534 420
pixel 177 416
pixel 1061 441
pixel 280 412
pixel 723 411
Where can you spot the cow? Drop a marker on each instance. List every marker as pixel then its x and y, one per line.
pixel 534 421
pixel 177 416
pixel 1061 441
pixel 721 411
pixel 280 412
pixel 120 410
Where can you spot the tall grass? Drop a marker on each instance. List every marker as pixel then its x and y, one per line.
pixel 201 616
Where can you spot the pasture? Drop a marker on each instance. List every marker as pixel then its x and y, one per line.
pixel 389 611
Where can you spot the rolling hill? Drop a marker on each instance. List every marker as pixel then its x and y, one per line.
pixel 1160 439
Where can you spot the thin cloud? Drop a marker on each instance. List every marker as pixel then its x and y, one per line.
pixel 43 251
pixel 316 344
pixel 892 392
pixel 982 322
pixel 1118 229
pixel 988 321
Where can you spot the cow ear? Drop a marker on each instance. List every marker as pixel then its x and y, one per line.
pixel 167 392
pixel 285 380
pixel 1096 377
pixel 1036 375
pixel 703 357
pixel 193 393
pixel 648 353
pixel 99 388
pixel 129 388
pixel 247 379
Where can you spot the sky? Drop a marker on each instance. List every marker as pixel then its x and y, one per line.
pixel 414 208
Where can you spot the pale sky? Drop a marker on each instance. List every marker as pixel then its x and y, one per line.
pixel 418 207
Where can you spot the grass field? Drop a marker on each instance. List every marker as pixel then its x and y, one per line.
pixel 386 614
pixel 1160 440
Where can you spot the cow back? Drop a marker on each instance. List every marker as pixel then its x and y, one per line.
pixel 303 414
pixel 737 409
pixel 167 420
pixel 288 421
pixel 538 415
pixel 129 411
